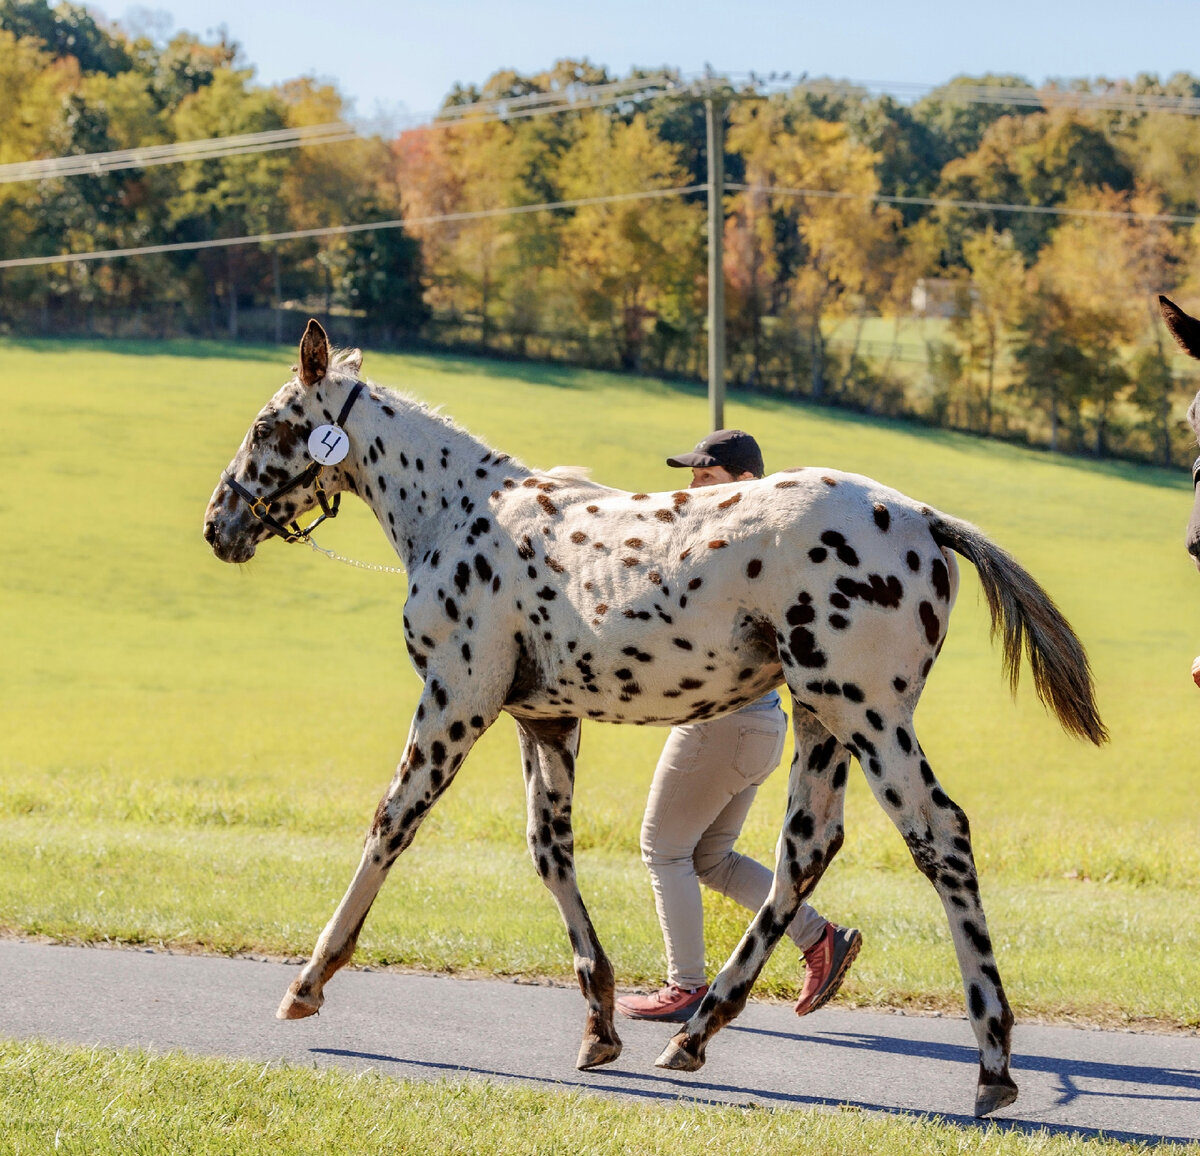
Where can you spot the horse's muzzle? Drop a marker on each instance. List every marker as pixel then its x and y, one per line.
pixel 232 536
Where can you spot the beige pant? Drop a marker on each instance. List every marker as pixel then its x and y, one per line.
pixel 705 781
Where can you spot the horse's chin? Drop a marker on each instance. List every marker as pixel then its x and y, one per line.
pixel 237 551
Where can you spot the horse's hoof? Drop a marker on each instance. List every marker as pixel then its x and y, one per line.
pixel 991 1097
pixel 676 1057
pixel 594 1052
pixel 292 1007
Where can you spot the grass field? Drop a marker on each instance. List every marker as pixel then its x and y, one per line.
pixel 189 1107
pixel 192 751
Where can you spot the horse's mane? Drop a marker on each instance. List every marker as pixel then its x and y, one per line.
pixel 407 401
pixel 348 363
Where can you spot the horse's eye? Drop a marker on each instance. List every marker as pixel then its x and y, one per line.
pixel 261 431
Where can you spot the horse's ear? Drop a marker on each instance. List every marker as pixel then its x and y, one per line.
pixel 314 354
pixel 350 359
pixel 1185 329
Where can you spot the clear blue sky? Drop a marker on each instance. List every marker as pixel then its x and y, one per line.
pixel 399 58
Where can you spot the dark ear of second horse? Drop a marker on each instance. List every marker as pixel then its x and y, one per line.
pixel 1184 328
pixel 314 353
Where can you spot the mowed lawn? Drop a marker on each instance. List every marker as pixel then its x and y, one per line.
pixel 192 751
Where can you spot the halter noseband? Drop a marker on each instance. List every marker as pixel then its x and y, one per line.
pixel 260 504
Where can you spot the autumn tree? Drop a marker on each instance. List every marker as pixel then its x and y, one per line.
pixel 1042 159
pixel 958 125
pixel 1097 274
pixel 990 310
pixel 635 265
pixel 837 240
pixel 231 196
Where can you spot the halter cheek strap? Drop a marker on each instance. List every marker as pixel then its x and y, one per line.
pixel 260 504
pixel 1196 473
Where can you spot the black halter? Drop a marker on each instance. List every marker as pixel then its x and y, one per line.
pixel 260 504
pixel 1196 473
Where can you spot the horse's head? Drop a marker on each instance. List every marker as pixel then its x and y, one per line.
pixel 1186 331
pixel 276 477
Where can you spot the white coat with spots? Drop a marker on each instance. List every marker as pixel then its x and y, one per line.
pixel 555 600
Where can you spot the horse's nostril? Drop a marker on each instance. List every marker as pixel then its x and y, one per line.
pixel 210 532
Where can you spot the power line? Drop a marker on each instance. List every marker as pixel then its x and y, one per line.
pixel 571 98
pixel 337 230
pixel 165 154
pixel 575 97
pixel 1046 97
pixel 582 202
pixel 990 206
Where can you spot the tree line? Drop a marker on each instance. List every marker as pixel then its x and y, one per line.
pixel 838 229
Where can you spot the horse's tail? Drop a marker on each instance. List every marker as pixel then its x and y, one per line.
pixel 1025 616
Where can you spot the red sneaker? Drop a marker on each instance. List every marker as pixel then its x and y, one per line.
pixel 672 1004
pixel 825 966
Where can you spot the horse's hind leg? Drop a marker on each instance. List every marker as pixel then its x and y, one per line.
pixel 438 742
pixel 939 839
pixel 812 833
pixel 548 754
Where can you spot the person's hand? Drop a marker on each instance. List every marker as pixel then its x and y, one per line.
pixel 1196 672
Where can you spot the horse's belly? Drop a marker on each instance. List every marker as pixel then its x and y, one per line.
pixel 689 688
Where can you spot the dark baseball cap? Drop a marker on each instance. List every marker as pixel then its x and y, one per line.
pixel 734 449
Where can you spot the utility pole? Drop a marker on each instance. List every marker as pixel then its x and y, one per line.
pixel 714 109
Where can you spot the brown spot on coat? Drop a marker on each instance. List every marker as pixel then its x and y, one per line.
pixel 941 579
pixel 929 619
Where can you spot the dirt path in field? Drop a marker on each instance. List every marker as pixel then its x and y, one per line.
pixel 1132 1086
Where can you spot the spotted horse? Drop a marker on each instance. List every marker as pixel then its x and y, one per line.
pixel 1186 331
pixel 556 599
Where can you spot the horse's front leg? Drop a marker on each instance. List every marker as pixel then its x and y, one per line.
pixel 443 731
pixel 548 752
pixel 812 834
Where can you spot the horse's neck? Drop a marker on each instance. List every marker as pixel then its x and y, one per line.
pixel 422 476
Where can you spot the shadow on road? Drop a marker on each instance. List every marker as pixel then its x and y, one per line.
pixel 671 1089
pixel 1067 1071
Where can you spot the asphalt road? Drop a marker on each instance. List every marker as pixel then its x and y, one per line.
pixel 1131 1086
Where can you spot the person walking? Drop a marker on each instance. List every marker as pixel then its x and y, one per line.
pixel 705 780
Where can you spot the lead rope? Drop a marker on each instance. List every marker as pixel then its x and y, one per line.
pixel 354 561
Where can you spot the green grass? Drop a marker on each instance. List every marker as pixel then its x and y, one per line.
pixel 90 1101
pixel 192 751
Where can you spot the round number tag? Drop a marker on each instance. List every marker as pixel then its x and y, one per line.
pixel 328 444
